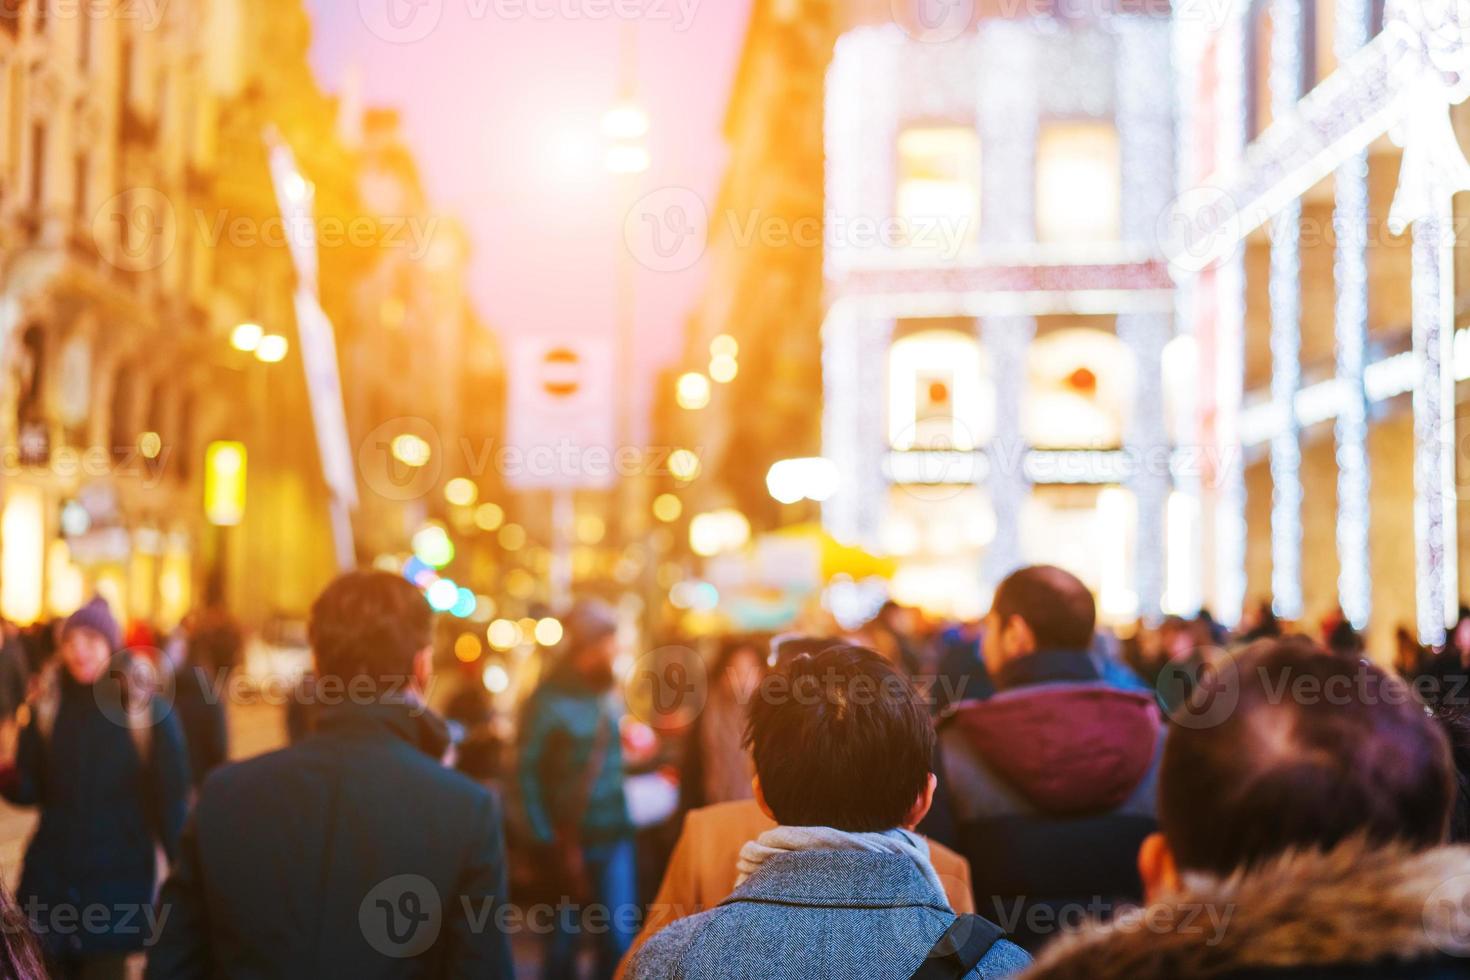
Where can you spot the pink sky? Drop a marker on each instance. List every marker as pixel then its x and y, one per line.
pixel 501 102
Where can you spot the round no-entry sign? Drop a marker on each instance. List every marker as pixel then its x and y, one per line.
pixel 561 372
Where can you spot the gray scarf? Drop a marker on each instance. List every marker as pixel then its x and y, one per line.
pixel 785 839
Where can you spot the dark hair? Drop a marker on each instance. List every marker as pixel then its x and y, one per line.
pixel 369 624
pixel 1346 641
pixel 1317 749
pixel 1052 602
pixel 786 647
pixel 841 740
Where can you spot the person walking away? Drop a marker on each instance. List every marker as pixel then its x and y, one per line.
pixel 104 763
pixel 355 852
pixel 1051 782
pixel 1300 838
pixel 570 772
pixel 201 676
pixel 717 768
pixel 842 886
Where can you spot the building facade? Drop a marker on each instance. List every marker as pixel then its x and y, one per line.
pixel 140 225
pixel 1316 255
pixel 985 291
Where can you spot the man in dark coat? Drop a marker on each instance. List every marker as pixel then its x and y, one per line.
pixel 354 853
pixel 1050 782
pixel 1301 821
pixel 105 765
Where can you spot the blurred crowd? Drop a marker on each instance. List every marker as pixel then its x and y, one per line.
pixel 1027 795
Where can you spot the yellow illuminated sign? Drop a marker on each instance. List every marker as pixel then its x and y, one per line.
pixel 224 483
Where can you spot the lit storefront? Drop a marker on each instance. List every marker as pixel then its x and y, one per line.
pixel 998 314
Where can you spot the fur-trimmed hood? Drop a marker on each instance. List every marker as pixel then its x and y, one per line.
pixel 1355 905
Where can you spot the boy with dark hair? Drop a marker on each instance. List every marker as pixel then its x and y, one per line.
pixel 354 852
pixel 1303 800
pixel 842 886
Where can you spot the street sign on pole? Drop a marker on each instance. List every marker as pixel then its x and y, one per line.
pixel 562 427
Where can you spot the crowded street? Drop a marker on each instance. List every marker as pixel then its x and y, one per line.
pixel 643 489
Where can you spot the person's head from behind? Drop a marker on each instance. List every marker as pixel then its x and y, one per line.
pixel 740 666
pixel 840 739
pixel 373 627
pixel 1040 608
pixel 1316 751
pixel 590 646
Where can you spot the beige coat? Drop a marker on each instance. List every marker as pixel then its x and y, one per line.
pixel 701 872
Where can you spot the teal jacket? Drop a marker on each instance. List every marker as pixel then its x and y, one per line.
pixel 557 738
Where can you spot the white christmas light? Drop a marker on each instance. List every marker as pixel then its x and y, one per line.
pixel 1285 291
pixel 1350 269
pixel 1006 341
pixel 1436 585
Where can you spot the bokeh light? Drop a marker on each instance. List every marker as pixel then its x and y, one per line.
pixel 467 648
pixel 684 466
pixel 503 634
pixel 549 632
pixel 667 507
pixel 461 491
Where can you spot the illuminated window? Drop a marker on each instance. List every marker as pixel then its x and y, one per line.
pixel 937 392
pixel 1078 180
pixel 938 201
pixel 1078 389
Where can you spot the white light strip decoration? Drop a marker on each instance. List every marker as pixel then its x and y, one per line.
pixel 1436 77
pixel 1006 341
pixel 861 115
pixel 1395 375
pixel 1083 467
pixel 1186 553
pixel 1009 119
pixel 1148 440
pixel 1435 501
pixel 854 430
pixel 1225 351
pixel 1350 399
pixel 935 467
pixel 1146 131
pixel 1285 293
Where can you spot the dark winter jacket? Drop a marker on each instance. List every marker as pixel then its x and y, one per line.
pixel 558 736
pixel 354 853
pixel 110 794
pixel 1051 785
pixel 1358 913
pixel 201 713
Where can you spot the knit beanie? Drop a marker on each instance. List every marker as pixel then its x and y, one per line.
pixel 96 616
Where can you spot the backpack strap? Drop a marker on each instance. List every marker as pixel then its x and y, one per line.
pixel 961 948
